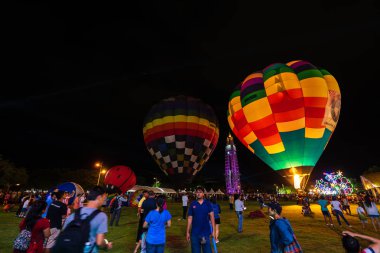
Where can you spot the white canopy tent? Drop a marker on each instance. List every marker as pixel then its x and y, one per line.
pixel 211 191
pixel 158 190
pixel 219 192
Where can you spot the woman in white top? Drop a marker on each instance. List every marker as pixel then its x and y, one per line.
pixel 337 211
pixel 372 211
pixel 362 214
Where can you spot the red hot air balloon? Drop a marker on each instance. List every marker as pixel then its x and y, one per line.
pixel 120 178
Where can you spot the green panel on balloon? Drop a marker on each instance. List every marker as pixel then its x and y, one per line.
pixel 299 151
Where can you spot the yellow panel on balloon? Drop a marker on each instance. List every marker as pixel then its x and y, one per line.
pixel 257 110
pixel 332 84
pixel 276 148
pixel 250 138
pixel 314 133
pixel 314 87
pixel 291 125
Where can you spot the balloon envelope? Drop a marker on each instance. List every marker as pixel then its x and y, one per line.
pixel 181 133
pixel 286 114
pixel 120 178
pixel 72 188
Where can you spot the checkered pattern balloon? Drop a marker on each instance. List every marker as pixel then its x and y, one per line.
pixel 181 133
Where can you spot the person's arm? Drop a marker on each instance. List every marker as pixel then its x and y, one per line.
pixel 46 232
pixel 189 221
pixel 102 242
pixel 375 242
pixel 145 225
pixel 212 223
pixel 168 223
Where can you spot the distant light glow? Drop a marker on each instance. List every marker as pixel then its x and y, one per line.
pixel 334 184
pixel 297 181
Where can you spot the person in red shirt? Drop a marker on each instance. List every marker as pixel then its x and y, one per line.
pixel 40 227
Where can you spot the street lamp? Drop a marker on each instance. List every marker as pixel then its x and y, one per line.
pixel 101 171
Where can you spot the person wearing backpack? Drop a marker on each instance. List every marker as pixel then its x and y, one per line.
pixel 33 230
pixel 282 238
pixel 84 230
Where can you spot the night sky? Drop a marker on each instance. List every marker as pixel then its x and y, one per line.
pixel 80 79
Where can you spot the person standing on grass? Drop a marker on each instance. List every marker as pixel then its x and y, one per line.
pixel 326 214
pixel 57 211
pixel 198 223
pixel 155 222
pixel 362 214
pixel 372 211
pixel 346 205
pixel 39 227
pixel 239 209
pixel 337 211
pixel 282 237
pixel 351 244
pixel 231 201
pixel 117 211
pixel 185 200
pixel 217 211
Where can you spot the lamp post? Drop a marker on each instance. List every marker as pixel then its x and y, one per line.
pixel 101 171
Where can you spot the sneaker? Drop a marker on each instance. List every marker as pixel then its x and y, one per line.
pixel 216 241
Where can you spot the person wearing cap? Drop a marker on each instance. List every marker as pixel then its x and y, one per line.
pixel 281 232
pixel 198 221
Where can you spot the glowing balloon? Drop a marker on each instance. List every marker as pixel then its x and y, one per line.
pixel 120 178
pixel 286 114
pixel 73 190
pixel 181 133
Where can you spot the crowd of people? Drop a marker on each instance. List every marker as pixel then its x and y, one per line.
pixel 51 220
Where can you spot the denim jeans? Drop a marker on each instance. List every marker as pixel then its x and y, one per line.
pixel 196 245
pixel 240 221
pixel 115 214
pixel 155 248
pixel 339 213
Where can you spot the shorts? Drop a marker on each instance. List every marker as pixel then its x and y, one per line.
pixel 54 232
pixel 326 213
pixel 217 220
pixel 373 215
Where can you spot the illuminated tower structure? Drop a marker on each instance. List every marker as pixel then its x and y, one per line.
pixel 232 168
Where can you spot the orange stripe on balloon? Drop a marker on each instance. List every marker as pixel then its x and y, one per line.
pixel 289 115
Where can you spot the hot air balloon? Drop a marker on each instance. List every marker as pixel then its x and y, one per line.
pixel 72 188
pixel 286 114
pixel 181 133
pixel 120 178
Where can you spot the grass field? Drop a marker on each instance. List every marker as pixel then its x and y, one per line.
pixel 312 233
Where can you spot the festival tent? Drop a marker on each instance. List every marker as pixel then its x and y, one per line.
pixel 371 182
pixel 219 192
pixel 211 191
pixel 158 190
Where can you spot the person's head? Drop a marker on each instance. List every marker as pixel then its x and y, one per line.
pixel 350 244
pixel 367 200
pixel 160 203
pixel 200 192
pixel 145 193
pixel 58 195
pixel 36 210
pixel 274 210
pixel 97 196
pixel 322 197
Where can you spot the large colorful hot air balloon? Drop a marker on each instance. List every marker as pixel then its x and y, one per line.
pixel 120 178
pixel 181 133
pixel 286 114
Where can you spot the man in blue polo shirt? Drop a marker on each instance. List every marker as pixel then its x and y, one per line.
pixel 200 215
